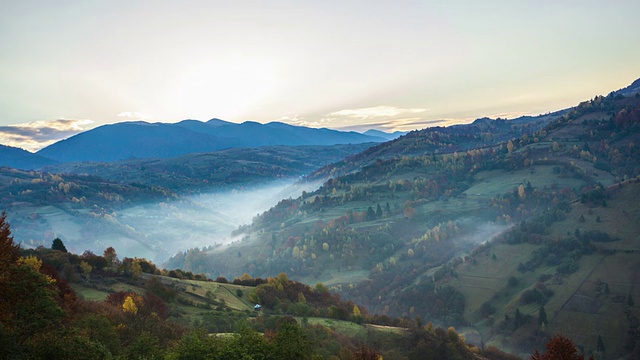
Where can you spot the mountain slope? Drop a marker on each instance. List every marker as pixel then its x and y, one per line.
pixel 392 225
pixel 158 140
pixel 22 159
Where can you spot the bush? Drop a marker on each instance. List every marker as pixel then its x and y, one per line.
pixel 569 266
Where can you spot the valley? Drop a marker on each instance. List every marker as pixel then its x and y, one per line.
pixel 509 230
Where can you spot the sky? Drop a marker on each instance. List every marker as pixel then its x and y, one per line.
pixel 67 66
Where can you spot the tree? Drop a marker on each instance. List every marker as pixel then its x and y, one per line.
pixel 542 316
pixel 600 345
pixel 129 306
pixel 321 288
pixel 630 301
pixel 559 348
pixel 379 211
pixel 371 215
pixel 111 257
pixel 519 319
pixel 9 252
pixel 510 146
pixel 521 192
pixel 57 244
pixel 301 298
pixel 409 212
pixel 290 341
pixel 86 269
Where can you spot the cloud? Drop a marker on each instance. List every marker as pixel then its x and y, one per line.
pixel 298 120
pixel 385 118
pixel 35 135
pixel 374 112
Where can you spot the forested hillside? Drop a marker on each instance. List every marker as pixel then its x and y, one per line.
pixel 395 223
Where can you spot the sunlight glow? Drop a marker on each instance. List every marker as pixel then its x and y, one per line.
pixel 226 88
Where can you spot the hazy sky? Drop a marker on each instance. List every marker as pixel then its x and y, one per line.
pixel 394 65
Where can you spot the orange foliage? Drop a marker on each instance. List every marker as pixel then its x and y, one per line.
pixel 559 348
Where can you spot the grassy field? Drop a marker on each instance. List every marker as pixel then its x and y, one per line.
pixel 89 293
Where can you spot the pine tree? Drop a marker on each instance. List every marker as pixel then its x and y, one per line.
pixel 518 319
pixel 378 211
pixel 371 215
pixel 57 244
pixel 542 316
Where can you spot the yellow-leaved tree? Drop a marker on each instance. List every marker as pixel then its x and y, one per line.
pixel 129 306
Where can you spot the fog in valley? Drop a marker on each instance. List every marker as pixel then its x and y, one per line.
pixel 202 220
pixel 155 231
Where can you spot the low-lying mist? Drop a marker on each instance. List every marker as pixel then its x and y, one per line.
pixel 155 231
pixel 201 220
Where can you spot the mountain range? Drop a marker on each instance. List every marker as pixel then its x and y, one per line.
pixel 141 139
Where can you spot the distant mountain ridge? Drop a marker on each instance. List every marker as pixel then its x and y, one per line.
pixel 22 159
pixel 161 140
pixel 385 135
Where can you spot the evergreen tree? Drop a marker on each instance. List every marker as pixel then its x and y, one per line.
pixel 57 244
pixel 378 211
pixel 630 301
pixel 542 316
pixel 371 215
pixel 518 319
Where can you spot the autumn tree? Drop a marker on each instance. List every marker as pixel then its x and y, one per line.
pixel 409 212
pixel 559 348
pixel 111 257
